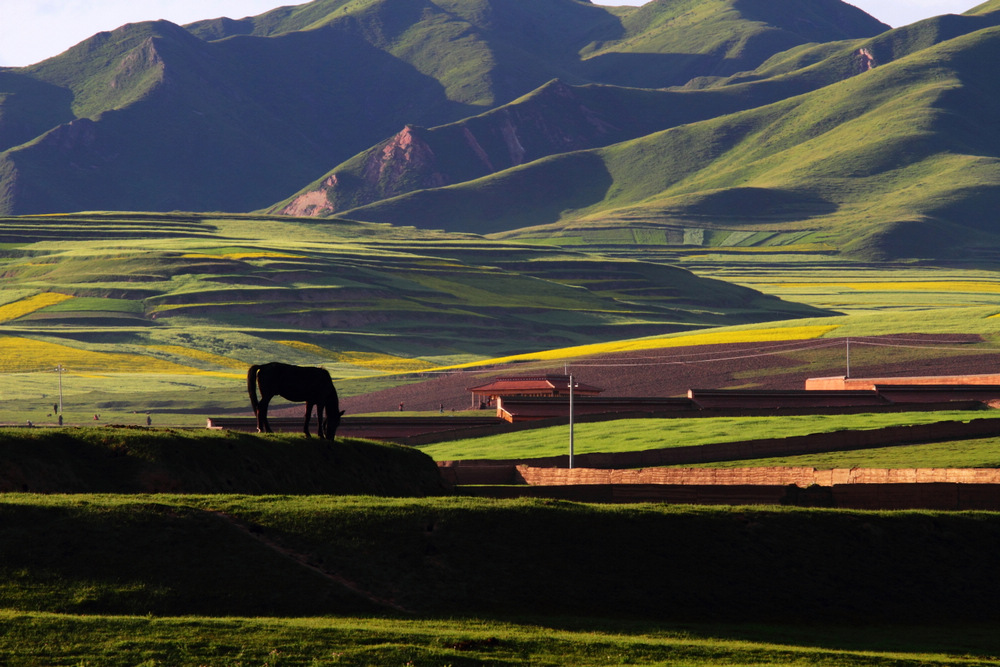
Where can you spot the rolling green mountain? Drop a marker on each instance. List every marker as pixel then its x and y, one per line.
pixel 714 123
pixel 884 147
pixel 235 115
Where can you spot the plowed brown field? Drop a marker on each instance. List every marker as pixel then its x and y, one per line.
pixel 672 371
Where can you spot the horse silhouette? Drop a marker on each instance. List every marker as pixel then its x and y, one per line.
pixel 296 384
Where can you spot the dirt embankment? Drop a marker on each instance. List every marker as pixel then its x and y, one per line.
pixel 115 460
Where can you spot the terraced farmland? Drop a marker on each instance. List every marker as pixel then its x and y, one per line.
pixel 197 298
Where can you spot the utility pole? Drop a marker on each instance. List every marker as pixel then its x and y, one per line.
pixel 848 357
pixel 60 370
pixel 570 421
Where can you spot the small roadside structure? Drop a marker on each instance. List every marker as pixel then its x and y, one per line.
pixel 486 395
pixel 843 383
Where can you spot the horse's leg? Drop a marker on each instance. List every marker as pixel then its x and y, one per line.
pixel 305 426
pixel 320 426
pixel 262 424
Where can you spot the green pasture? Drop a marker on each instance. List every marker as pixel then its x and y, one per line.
pixel 121 398
pixel 33 638
pixel 115 579
pixel 974 453
pixel 627 435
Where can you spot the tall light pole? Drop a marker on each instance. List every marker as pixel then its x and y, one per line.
pixel 848 356
pixel 60 370
pixel 570 421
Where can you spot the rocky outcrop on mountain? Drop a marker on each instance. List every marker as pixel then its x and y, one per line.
pixel 865 60
pixel 555 119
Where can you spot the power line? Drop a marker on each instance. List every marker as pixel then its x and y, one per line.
pixel 713 359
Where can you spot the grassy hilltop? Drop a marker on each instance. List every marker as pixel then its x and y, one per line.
pixel 898 161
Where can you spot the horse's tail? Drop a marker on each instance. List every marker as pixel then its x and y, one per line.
pixel 333 414
pixel 252 386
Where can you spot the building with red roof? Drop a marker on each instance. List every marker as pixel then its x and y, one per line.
pixel 529 385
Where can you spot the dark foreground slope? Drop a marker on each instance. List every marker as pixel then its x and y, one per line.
pixel 226 555
pixel 135 460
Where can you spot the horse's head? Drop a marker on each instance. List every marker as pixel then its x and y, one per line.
pixel 333 416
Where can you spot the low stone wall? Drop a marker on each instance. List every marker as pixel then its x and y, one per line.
pixel 768 476
pixel 842 383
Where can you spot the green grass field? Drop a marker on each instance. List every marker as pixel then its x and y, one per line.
pixel 628 435
pixel 975 453
pixel 317 580
pixel 114 641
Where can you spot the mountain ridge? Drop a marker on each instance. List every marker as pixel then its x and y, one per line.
pixel 925 96
pixel 235 115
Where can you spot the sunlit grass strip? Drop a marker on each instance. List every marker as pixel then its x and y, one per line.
pixel 382 362
pixel 27 355
pixel 208 357
pixel 772 249
pixel 12 311
pixel 385 363
pixel 243 255
pixel 52 638
pixel 901 286
pixel 684 340
pixel 310 348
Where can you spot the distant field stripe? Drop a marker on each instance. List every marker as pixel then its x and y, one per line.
pixel 13 311
pixel 208 357
pixel 899 286
pixel 243 255
pixel 27 355
pixel 385 363
pixel 310 348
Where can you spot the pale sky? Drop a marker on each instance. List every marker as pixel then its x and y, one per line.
pixel 33 30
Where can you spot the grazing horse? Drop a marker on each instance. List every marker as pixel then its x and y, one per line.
pixel 295 383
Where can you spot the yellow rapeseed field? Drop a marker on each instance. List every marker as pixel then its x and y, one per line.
pixel 968 286
pixel 244 255
pixel 27 355
pixel 385 363
pixel 12 311
pixel 309 348
pixel 208 357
